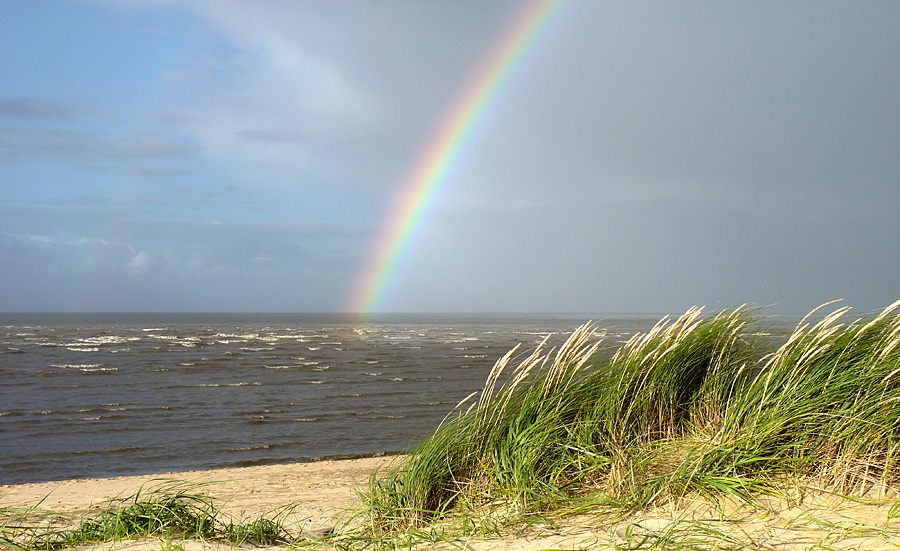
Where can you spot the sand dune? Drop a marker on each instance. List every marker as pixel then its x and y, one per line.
pixel 322 492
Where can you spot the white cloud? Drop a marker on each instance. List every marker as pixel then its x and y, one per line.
pixel 34 239
pixel 60 239
pixel 268 100
pixel 284 71
pixel 140 263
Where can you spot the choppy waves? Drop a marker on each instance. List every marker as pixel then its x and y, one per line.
pixel 133 395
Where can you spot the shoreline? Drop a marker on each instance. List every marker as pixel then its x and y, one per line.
pixel 122 395
pixel 239 465
pixel 319 491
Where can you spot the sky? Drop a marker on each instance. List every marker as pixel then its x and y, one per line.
pixel 645 157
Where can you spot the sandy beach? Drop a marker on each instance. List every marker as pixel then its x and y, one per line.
pixel 321 492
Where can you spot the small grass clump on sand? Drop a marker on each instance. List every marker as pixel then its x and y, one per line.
pixel 695 406
pixel 172 509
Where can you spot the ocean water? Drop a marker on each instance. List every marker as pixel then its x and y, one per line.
pixel 103 395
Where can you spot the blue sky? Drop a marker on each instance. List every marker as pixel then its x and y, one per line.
pixel 645 157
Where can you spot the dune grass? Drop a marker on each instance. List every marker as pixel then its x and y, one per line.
pixel 695 406
pixel 172 509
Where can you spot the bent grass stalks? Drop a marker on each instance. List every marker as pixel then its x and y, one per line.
pixel 171 509
pixel 695 405
pixel 14 523
pixel 681 535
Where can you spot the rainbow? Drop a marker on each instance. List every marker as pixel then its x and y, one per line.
pixel 444 151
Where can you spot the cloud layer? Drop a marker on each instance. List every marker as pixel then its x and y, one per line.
pixel 642 157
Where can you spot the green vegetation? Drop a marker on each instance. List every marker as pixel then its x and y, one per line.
pixel 170 510
pixel 693 407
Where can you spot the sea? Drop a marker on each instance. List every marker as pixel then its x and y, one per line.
pixel 105 395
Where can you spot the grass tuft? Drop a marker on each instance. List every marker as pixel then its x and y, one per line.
pixel 695 406
pixel 173 509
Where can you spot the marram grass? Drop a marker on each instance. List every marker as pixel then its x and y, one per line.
pixel 172 509
pixel 694 406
